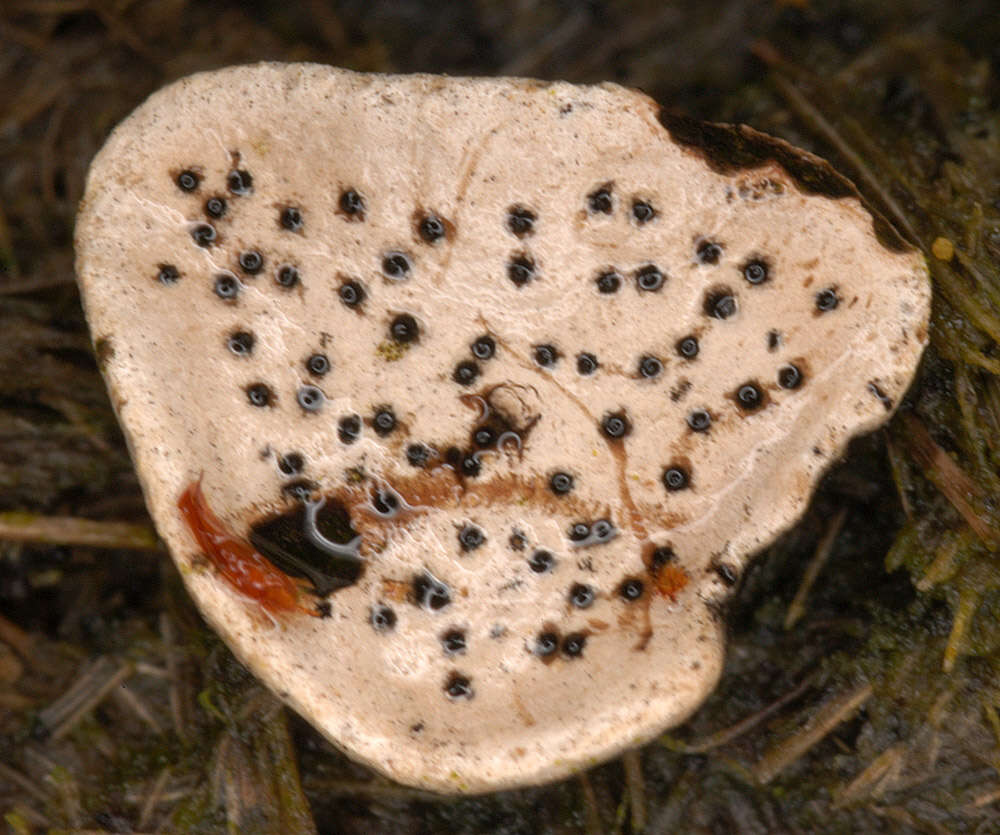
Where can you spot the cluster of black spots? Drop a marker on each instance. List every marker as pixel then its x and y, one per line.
pixel 291 463
pixel 227 286
pixel 382 618
pixel 241 343
pixel 167 274
pixel 573 644
pixel 429 592
pixel 203 234
pixel 291 219
pixel 453 642
pixel 465 372
pixel 349 429
pixel 188 180
pixel 417 455
pixel 600 201
pixel 431 228
pixel 699 420
pixel 601 531
pixel 631 589
pixel 582 596
pixel 352 293
pixel 650 366
pixel 615 425
pixel 467 464
pixel 310 398
pixel 827 300
pixel 352 204
pixel 215 207
pixel 608 282
pixel 521 221
pixel 260 394
pixel 470 537
pixel 404 329
pixel 749 396
pixel 287 276
pixel 586 364
pixel 318 364
pixel 385 502
pixel 561 483
pixel 642 211
pixel 676 477
pixel 756 271
pixel 521 269
pixel 546 643
pixel 546 355
pixel 484 347
pixel 458 687
pixel 789 376
pixel 239 181
pixel 396 265
pixel 251 261
pixel 720 303
pixel 649 278
pixel 687 347
pixel 541 561
pixel 384 421
pixel 708 252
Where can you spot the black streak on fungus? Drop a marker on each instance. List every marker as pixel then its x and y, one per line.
pixel 429 593
pixel 880 395
pixel 599 201
pixel 586 364
pixel 520 269
pixel 521 221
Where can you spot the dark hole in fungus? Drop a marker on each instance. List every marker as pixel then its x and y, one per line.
pixel 688 347
pixel 521 221
pixel 167 274
pixel 484 436
pixel 351 293
pixel 187 180
pixel 396 265
pixel 382 618
pixel 602 531
pixel 458 687
pixel 773 340
pixel 708 252
pixel 203 234
pixel 310 398
pixel 384 421
pixel 287 276
pixel 827 299
pixel 291 463
pixel 756 271
pixel 404 329
pixel 608 282
pixel 642 211
pixel 431 228
pixel 649 278
pixel 579 531
pixel 471 537
pixel 561 483
pixel 749 396
pixel 546 643
pixel 470 465
pixel 453 642
pixel 417 455
pixel 789 376
pixel 676 477
pixel 662 554
pixel 600 201
pixel 318 364
pixel 541 561
pixel 631 589
pixel 484 347
pixel 650 367
pixel 465 373
pixel 215 207
pixel 239 181
pixel 251 261
pixel 720 303
pixel 546 355
pixel 573 644
pixel 429 592
pixel 581 595
pixel 521 269
pixel 227 286
pixel 291 219
pixel 352 203
pixel 586 364
pixel 349 429
pixel 385 502
pixel 259 394
pixel 615 425
pixel 241 343
pixel 699 420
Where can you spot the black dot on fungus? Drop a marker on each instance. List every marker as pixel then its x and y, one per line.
pixel 608 282
pixel 465 373
pixel 241 343
pixel 239 181
pixel 642 211
pixel 599 201
pixel 880 395
pixel 188 180
pixel 417 455
pixel 203 234
pixel 470 465
pixel 318 364
pixel 615 425
pixel 546 643
pixel 470 537
pixel 602 531
pixel 227 286
pixel 579 531
pixel 291 463
pixel 429 592
pixel 352 203
pixel 351 293
pixel 789 376
pixel 749 396
pixel 382 618
pixel 259 394
pixel 458 687
pixel 521 221
pixel 517 541
pixel 453 642
pixel 349 429
pixel 384 421
pixel 687 347
pixel 167 274
pixel 708 252
pixel 586 364
pixel 756 271
pixel 662 554
pixel 827 300
pixel 484 436
pixel 291 219
pixel 541 561
pixel 649 278
pixel 251 262
pixel 520 269
pixel 773 340
pixel 720 303
pixel 431 228
pixel 404 328
pixel 561 483
pixel 310 398
pixel 676 477
pixel 385 502
pixel 631 589
pixel 287 276
pixel 650 367
pixel 699 420
pixel 726 573
pixel 573 644
pixel 396 265
pixel 581 595
pixel 546 355
pixel 215 207
pixel 484 347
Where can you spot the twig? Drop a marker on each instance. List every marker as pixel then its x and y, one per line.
pixel 797 608
pixel 71 530
pixel 632 762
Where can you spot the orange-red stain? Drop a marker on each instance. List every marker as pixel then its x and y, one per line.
pixel 245 569
pixel 670 580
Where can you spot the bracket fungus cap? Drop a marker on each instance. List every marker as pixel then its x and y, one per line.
pixel 507 379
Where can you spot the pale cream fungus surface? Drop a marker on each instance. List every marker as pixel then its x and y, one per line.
pixel 291 271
